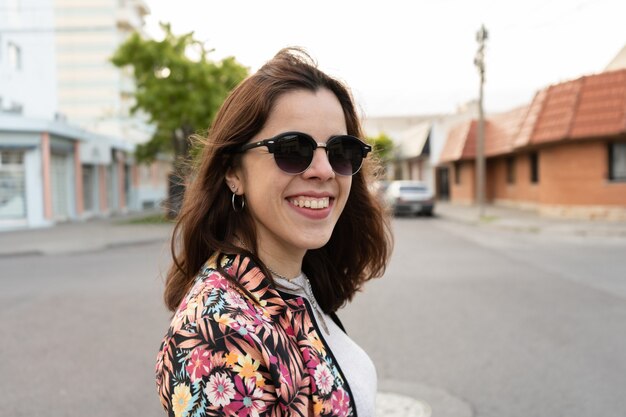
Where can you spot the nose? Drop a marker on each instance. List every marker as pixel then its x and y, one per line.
pixel 320 166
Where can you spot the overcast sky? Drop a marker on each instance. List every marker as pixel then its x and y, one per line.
pixel 415 57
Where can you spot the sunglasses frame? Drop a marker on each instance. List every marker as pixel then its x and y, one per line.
pixel 271 148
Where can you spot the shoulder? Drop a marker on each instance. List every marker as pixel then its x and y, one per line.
pixel 216 338
pixel 213 295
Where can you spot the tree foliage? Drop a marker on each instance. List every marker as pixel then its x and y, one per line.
pixel 382 147
pixel 177 87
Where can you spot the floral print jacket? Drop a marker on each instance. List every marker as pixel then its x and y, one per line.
pixel 228 355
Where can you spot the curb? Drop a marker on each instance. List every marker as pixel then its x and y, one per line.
pixel 21 254
pixel 79 250
pixel 545 228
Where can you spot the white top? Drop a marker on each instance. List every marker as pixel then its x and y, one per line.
pixel 356 365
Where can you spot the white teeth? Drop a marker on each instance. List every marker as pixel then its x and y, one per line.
pixel 313 203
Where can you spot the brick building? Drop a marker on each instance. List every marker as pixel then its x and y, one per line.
pixel 564 154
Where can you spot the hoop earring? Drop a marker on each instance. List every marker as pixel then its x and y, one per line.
pixel 242 205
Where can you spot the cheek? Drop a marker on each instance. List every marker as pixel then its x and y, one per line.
pixel 345 185
pixel 255 171
pixel 264 184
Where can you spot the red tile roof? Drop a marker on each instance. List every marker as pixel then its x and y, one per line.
pixel 502 130
pixel 528 124
pixel 602 106
pixel 500 133
pixel 592 106
pixel 460 143
pixel 557 112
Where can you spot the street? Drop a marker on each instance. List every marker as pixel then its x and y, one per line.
pixel 515 324
pixel 500 323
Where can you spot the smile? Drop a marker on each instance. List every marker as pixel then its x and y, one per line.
pixel 310 202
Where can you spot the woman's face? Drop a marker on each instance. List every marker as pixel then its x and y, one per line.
pixel 276 200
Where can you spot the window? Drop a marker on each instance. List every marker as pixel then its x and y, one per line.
pixel 510 170
pixel 534 167
pixel 457 173
pixel 617 161
pixel 14 56
pixel 11 158
pixel 12 185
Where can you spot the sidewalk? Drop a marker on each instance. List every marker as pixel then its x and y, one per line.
pixel 102 233
pixel 529 221
pixel 84 236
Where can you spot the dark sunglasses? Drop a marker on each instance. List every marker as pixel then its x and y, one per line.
pixel 293 152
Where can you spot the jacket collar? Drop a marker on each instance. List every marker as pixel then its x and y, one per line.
pixel 248 274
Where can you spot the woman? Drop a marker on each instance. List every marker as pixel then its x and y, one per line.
pixel 280 207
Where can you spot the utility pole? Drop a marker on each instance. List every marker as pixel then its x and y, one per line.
pixel 479 61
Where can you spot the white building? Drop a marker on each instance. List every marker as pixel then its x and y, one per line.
pixel 93 93
pixel 51 171
pixel 27 71
pixel 52 168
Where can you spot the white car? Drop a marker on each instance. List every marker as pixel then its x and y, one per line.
pixel 410 197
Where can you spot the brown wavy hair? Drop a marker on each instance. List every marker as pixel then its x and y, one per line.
pixel 360 244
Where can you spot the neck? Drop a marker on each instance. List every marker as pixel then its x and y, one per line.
pixel 285 261
pixel 287 264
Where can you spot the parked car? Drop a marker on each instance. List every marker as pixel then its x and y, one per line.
pixel 410 197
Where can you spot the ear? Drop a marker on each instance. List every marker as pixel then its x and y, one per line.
pixel 233 179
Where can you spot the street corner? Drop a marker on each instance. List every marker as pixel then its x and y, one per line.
pixel 406 399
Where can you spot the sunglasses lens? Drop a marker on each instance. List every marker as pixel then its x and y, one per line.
pixel 293 153
pixel 345 154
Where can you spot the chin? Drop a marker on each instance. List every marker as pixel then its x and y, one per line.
pixel 314 243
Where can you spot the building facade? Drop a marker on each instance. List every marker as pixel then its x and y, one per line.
pixel 58 160
pixel 27 74
pixel 564 154
pixel 418 142
pixel 92 92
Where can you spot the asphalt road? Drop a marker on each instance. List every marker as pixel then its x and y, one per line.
pixel 472 320
pixel 80 333
pixel 513 324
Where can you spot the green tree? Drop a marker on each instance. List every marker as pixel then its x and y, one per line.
pixel 382 147
pixel 179 89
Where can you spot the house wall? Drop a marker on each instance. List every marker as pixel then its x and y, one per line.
pixel 573 182
pixel 416 169
pixel 463 192
pixel 525 190
pixel 151 184
pixel 519 193
pixel 577 174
